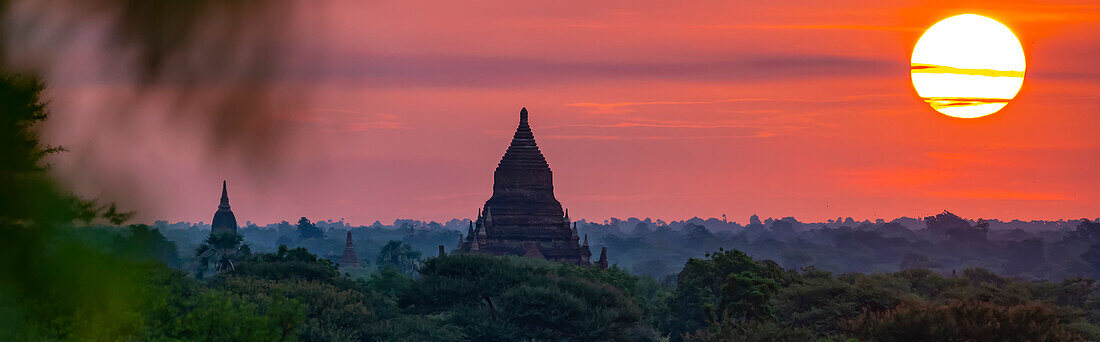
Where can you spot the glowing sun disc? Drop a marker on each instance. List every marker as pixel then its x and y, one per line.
pixel 968 66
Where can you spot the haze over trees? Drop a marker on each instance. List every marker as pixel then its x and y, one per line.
pixel 70 271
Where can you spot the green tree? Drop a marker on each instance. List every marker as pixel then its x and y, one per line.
pixel 287 263
pixel 510 298
pixel 223 316
pixel 728 286
pixel 962 321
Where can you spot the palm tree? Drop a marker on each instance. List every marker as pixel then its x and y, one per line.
pixel 220 251
pixel 399 256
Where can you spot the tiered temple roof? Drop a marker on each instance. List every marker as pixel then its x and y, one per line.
pixel 523 217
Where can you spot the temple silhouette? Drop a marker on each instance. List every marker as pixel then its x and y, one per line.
pixel 349 259
pixel 224 221
pixel 523 217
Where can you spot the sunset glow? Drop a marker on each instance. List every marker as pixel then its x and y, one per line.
pixel 397 110
pixel 968 66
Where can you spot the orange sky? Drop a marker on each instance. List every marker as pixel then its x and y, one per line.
pixel 643 108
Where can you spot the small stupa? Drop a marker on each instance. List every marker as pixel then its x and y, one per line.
pixel 349 259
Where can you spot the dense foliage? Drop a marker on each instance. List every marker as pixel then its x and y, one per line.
pixel 1052 250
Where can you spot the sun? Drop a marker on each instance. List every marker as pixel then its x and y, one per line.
pixel 968 66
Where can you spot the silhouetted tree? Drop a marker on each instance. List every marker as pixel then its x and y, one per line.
pixel 308 230
pixel 942 223
pixel 755 220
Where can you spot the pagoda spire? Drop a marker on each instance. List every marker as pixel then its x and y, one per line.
pixel 523 153
pixel 225 197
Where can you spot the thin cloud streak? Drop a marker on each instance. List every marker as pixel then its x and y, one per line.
pixel 1001 195
pixel 613 108
pixel 621 137
pixel 850 27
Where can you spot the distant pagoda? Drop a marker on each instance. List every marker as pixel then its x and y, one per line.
pixel 349 259
pixel 224 221
pixel 522 217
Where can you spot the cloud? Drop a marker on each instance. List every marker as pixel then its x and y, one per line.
pixel 848 27
pixel 626 107
pixel 647 129
pixel 759 134
pixel 473 71
pixel 348 120
pixel 1000 195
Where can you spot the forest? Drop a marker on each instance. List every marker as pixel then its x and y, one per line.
pixel 945 242
pixel 75 269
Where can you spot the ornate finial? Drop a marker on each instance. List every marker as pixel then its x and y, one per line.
pixel 225 197
pixel 523 116
pixel 585 244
